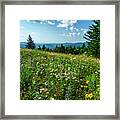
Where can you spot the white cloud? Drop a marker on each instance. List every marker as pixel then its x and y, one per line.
pixel 76 29
pixel 41 22
pixel 84 30
pixel 71 28
pixel 66 29
pixel 63 23
pixel 25 36
pixel 34 22
pixel 50 23
pixel 37 21
pixel 71 34
pixel 78 34
pixel 63 34
pixel 28 21
pixel 32 33
pixel 66 23
pixel 45 21
pixel 67 35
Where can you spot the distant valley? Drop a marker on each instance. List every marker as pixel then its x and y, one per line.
pixel 53 45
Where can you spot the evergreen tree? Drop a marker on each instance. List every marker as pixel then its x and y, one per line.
pixel 67 50
pixel 43 48
pixel 62 48
pixel 47 49
pixel 39 48
pixel 30 43
pixel 56 47
pixel 51 50
pixel 70 49
pixel 77 51
pixel 74 47
pixel 93 37
pixel 74 50
pixel 83 46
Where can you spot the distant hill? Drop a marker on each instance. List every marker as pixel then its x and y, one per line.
pixel 53 45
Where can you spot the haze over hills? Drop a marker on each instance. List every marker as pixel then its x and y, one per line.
pixel 53 45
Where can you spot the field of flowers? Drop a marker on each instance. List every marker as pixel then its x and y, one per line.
pixel 57 76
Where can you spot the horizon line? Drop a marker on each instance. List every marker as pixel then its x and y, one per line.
pixel 56 42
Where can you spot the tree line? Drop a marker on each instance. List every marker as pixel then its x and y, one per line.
pixel 66 50
pixel 92 37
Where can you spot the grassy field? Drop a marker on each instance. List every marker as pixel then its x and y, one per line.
pixel 56 76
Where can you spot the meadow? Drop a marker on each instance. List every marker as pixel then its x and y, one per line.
pixel 58 76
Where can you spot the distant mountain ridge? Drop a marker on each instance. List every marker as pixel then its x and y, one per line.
pixel 53 45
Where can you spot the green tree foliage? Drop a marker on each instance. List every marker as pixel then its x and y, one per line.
pixel 39 48
pixel 62 48
pixel 47 49
pixel 43 47
pixel 30 43
pixel 93 37
pixel 83 46
pixel 67 50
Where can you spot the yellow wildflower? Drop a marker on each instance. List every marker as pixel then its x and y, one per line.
pixel 85 86
pixel 87 81
pixel 89 95
pixel 86 96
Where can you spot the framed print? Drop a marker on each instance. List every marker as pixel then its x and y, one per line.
pixel 60 60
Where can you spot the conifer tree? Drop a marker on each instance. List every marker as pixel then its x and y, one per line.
pixel 30 43
pixel 93 37
pixel 43 47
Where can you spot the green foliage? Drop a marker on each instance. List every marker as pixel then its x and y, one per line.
pixel 67 50
pixel 93 37
pixel 43 47
pixel 48 75
pixel 39 48
pixel 30 43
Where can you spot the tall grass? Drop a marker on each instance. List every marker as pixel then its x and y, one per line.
pixel 48 76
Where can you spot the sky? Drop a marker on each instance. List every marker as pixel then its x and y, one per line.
pixel 54 31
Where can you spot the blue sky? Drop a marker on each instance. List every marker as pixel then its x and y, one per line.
pixel 54 31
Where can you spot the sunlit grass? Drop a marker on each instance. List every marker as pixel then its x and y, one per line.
pixel 47 76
